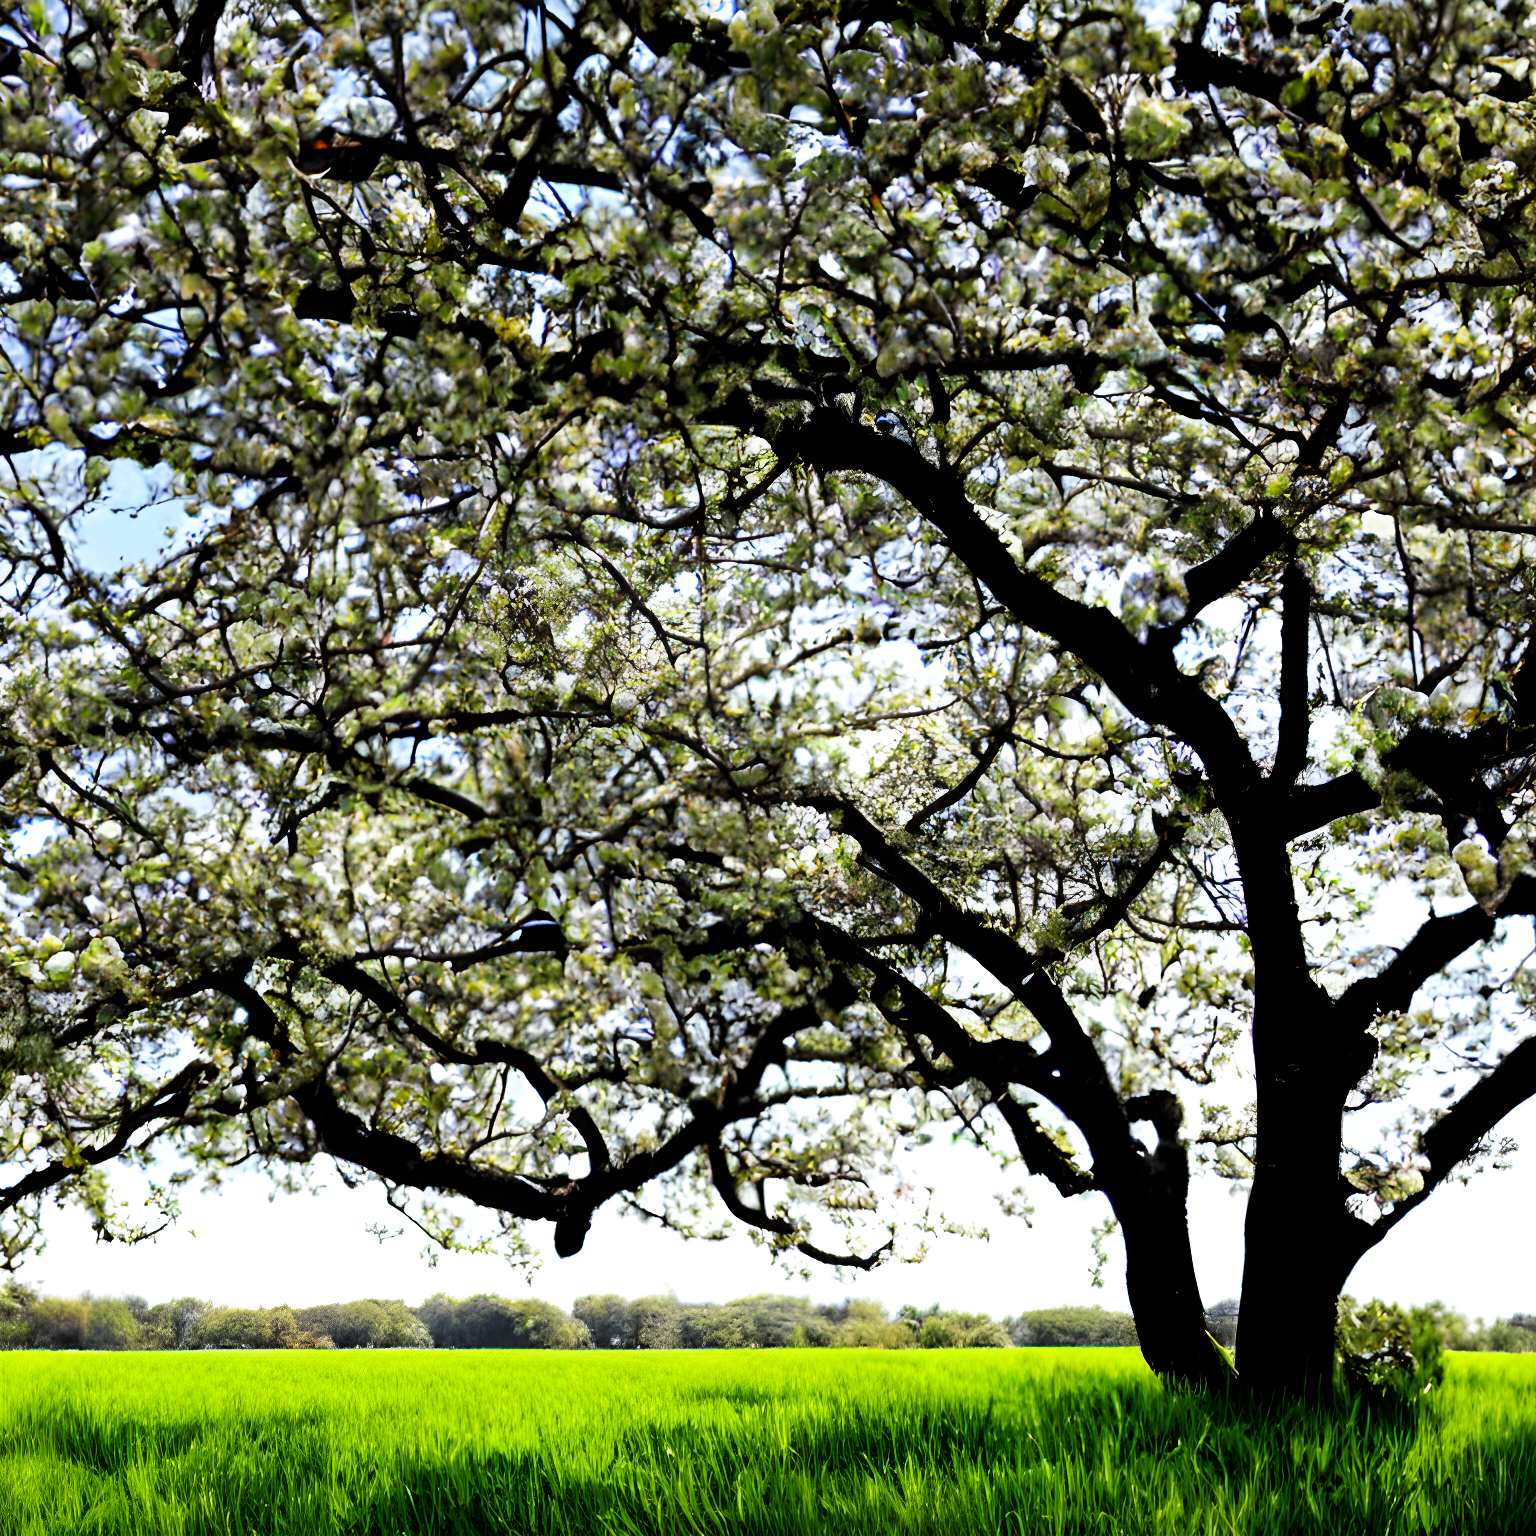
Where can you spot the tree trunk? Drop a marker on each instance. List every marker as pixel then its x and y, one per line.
pixel 1292 1269
pixel 1305 1060
pixel 1165 1298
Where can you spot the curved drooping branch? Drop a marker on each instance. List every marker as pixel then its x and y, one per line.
pixel 1074 1080
pixel 569 1203
pixel 1070 1074
pixel 482 1053
pixel 1016 968
pixel 1009 962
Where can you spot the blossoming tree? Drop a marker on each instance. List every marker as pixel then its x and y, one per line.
pixel 738 585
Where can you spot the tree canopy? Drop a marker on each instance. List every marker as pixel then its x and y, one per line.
pixel 741 587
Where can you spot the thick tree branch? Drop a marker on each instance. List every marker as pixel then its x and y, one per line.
pixel 1039 1149
pixel 1072 1079
pixel 1162 1110
pixel 1310 806
pixel 1069 1073
pixel 1438 942
pixel 1238 559
pixel 1453 766
pixel 1011 964
pixel 1458 1135
pixel 449 799
pixel 1145 677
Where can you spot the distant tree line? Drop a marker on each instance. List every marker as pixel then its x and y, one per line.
pixel 767 1322
pixel 1508 1335
pixel 30 1321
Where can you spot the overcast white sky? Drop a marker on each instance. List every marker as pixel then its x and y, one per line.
pixel 1472 1247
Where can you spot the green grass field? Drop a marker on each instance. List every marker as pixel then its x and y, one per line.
pixel 777 1443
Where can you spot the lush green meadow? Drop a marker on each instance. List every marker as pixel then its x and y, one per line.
pixel 744 1441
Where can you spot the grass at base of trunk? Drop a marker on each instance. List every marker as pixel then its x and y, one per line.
pixel 845 1441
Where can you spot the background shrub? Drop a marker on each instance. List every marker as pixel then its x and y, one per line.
pixel 1089 1327
pixel 936 1329
pixel 1385 1352
pixel 16 1303
pixel 1221 1323
pixel 864 1325
pixel 58 1324
pixel 365 1324
pixel 493 1322
pixel 254 1328
pixel 609 1320
pixel 110 1324
pixel 172 1324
